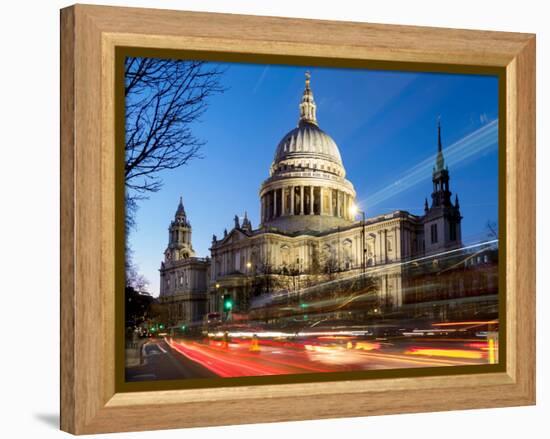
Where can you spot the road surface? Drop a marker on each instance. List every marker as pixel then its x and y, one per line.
pixel 160 362
pixel 179 358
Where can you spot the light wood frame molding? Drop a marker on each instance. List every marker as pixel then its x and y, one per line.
pixel 89 36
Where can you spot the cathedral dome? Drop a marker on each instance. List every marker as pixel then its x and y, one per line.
pixel 307 147
pixel 307 139
pixel 307 189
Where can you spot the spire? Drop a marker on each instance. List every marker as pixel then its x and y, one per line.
pixel 426 205
pixel 439 147
pixel 441 195
pixel 440 161
pixel 457 205
pixel 247 225
pixel 181 217
pixel 181 209
pixel 307 105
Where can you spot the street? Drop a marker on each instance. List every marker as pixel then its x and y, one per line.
pixel 176 358
pixel 161 363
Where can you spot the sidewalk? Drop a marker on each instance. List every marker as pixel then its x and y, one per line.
pixel 132 352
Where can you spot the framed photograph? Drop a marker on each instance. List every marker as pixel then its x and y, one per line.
pixel 255 207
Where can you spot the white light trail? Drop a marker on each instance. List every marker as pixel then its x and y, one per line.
pixel 376 270
pixel 477 142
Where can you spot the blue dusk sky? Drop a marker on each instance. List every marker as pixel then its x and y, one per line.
pixel 384 122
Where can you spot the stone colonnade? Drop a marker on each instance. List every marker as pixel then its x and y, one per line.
pixel 305 200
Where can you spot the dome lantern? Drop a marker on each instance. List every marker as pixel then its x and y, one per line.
pixel 307 105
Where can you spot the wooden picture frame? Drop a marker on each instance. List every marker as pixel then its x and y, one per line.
pixel 90 36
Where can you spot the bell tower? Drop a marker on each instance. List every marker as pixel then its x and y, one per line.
pixel 179 237
pixel 442 219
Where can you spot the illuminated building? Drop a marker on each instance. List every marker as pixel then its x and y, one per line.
pixel 183 276
pixel 309 233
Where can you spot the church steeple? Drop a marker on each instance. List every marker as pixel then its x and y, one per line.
pixel 441 195
pixel 179 236
pixel 442 230
pixel 440 161
pixel 180 217
pixel 307 105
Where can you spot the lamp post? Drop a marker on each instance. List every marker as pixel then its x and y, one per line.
pixel 217 296
pixel 295 272
pixel 247 293
pixel 354 210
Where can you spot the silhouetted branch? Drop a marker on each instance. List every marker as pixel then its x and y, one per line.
pixel 163 99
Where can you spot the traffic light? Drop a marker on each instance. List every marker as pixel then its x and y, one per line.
pixel 227 302
pixel 161 326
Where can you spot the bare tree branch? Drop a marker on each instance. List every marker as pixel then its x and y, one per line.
pixel 163 99
pixel 492 229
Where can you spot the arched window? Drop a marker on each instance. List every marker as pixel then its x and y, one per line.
pixel 348 257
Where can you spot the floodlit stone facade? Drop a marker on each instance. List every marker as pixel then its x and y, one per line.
pixel 310 231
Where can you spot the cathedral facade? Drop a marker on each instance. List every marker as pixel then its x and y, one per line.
pixel 310 231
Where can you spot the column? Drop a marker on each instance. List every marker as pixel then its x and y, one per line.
pixel 386 243
pixel 398 295
pixel 346 206
pixel 381 245
pixel 397 244
pixel 330 201
pixel 262 207
pixel 283 201
pixel 374 256
pixel 292 200
pixel 311 198
pixel 338 203
pixel 321 207
pixel 385 287
pixel 275 213
pixel 301 200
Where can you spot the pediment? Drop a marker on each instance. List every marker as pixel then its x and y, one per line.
pixel 234 236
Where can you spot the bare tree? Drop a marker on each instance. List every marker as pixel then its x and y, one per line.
pixel 163 99
pixel 492 229
pixel 134 279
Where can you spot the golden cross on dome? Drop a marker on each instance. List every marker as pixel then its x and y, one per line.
pixel 308 76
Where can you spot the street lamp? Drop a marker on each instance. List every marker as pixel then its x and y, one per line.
pixel 247 286
pixel 217 297
pixel 354 210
